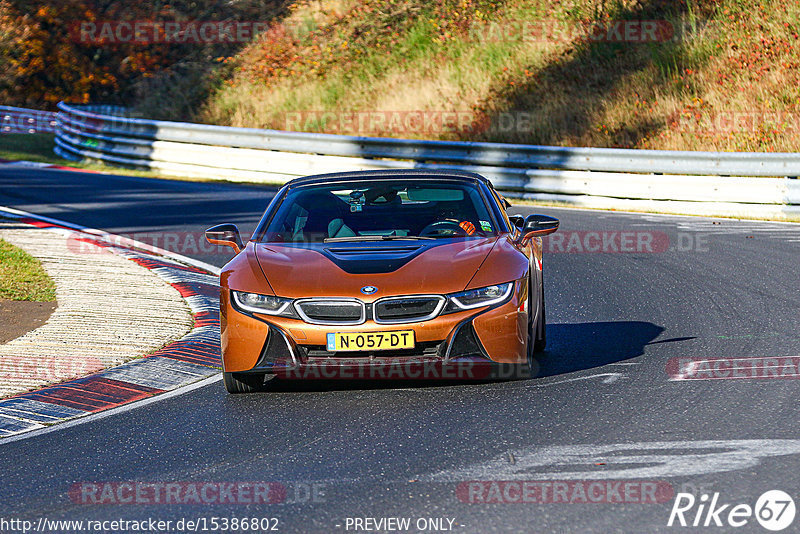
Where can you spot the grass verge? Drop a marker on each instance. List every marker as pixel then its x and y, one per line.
pixel 22 277
pixel 39 148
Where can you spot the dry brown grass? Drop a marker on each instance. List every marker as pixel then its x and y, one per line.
pixel 734 60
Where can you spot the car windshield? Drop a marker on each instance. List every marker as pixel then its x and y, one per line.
pixel 367 211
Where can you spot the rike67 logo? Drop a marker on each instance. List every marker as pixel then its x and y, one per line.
pixel 774 510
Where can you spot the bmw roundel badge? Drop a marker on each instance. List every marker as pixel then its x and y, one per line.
pixel 369 290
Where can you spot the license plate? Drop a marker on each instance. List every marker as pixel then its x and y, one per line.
pixel 403 339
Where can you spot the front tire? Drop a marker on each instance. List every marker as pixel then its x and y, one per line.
pixel 537 335
pixel 540 339
pixel 237 383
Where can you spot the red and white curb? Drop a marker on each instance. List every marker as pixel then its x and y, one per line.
pixel 194 357
pixel 41 165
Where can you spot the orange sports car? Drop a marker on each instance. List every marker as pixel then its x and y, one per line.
pixel 382 274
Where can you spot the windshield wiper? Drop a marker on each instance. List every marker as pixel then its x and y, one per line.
pixel 374 238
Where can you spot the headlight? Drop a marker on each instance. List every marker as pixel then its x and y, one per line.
pixel 475 298
pixel 253 302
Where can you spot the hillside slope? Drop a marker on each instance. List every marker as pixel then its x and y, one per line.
pixel 715 75
pixel 661 74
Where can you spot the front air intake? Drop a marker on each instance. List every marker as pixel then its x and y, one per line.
pixel 331 311
pixel 397 310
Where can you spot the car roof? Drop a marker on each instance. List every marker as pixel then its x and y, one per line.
pixel 414 174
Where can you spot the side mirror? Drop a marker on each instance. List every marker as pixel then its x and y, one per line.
pixel 538 226
pixel 517 220
pixel 225 234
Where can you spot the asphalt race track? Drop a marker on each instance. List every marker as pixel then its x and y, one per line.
pixel 631 298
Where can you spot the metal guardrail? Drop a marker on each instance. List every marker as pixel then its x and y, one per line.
pixel 27 121
pixel 730 181
pixel 487 154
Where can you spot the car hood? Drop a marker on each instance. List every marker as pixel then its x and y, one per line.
pixel 393 267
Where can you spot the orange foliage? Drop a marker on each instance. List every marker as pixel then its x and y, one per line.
pixel 43 60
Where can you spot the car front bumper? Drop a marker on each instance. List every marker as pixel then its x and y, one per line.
pixel 486 342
